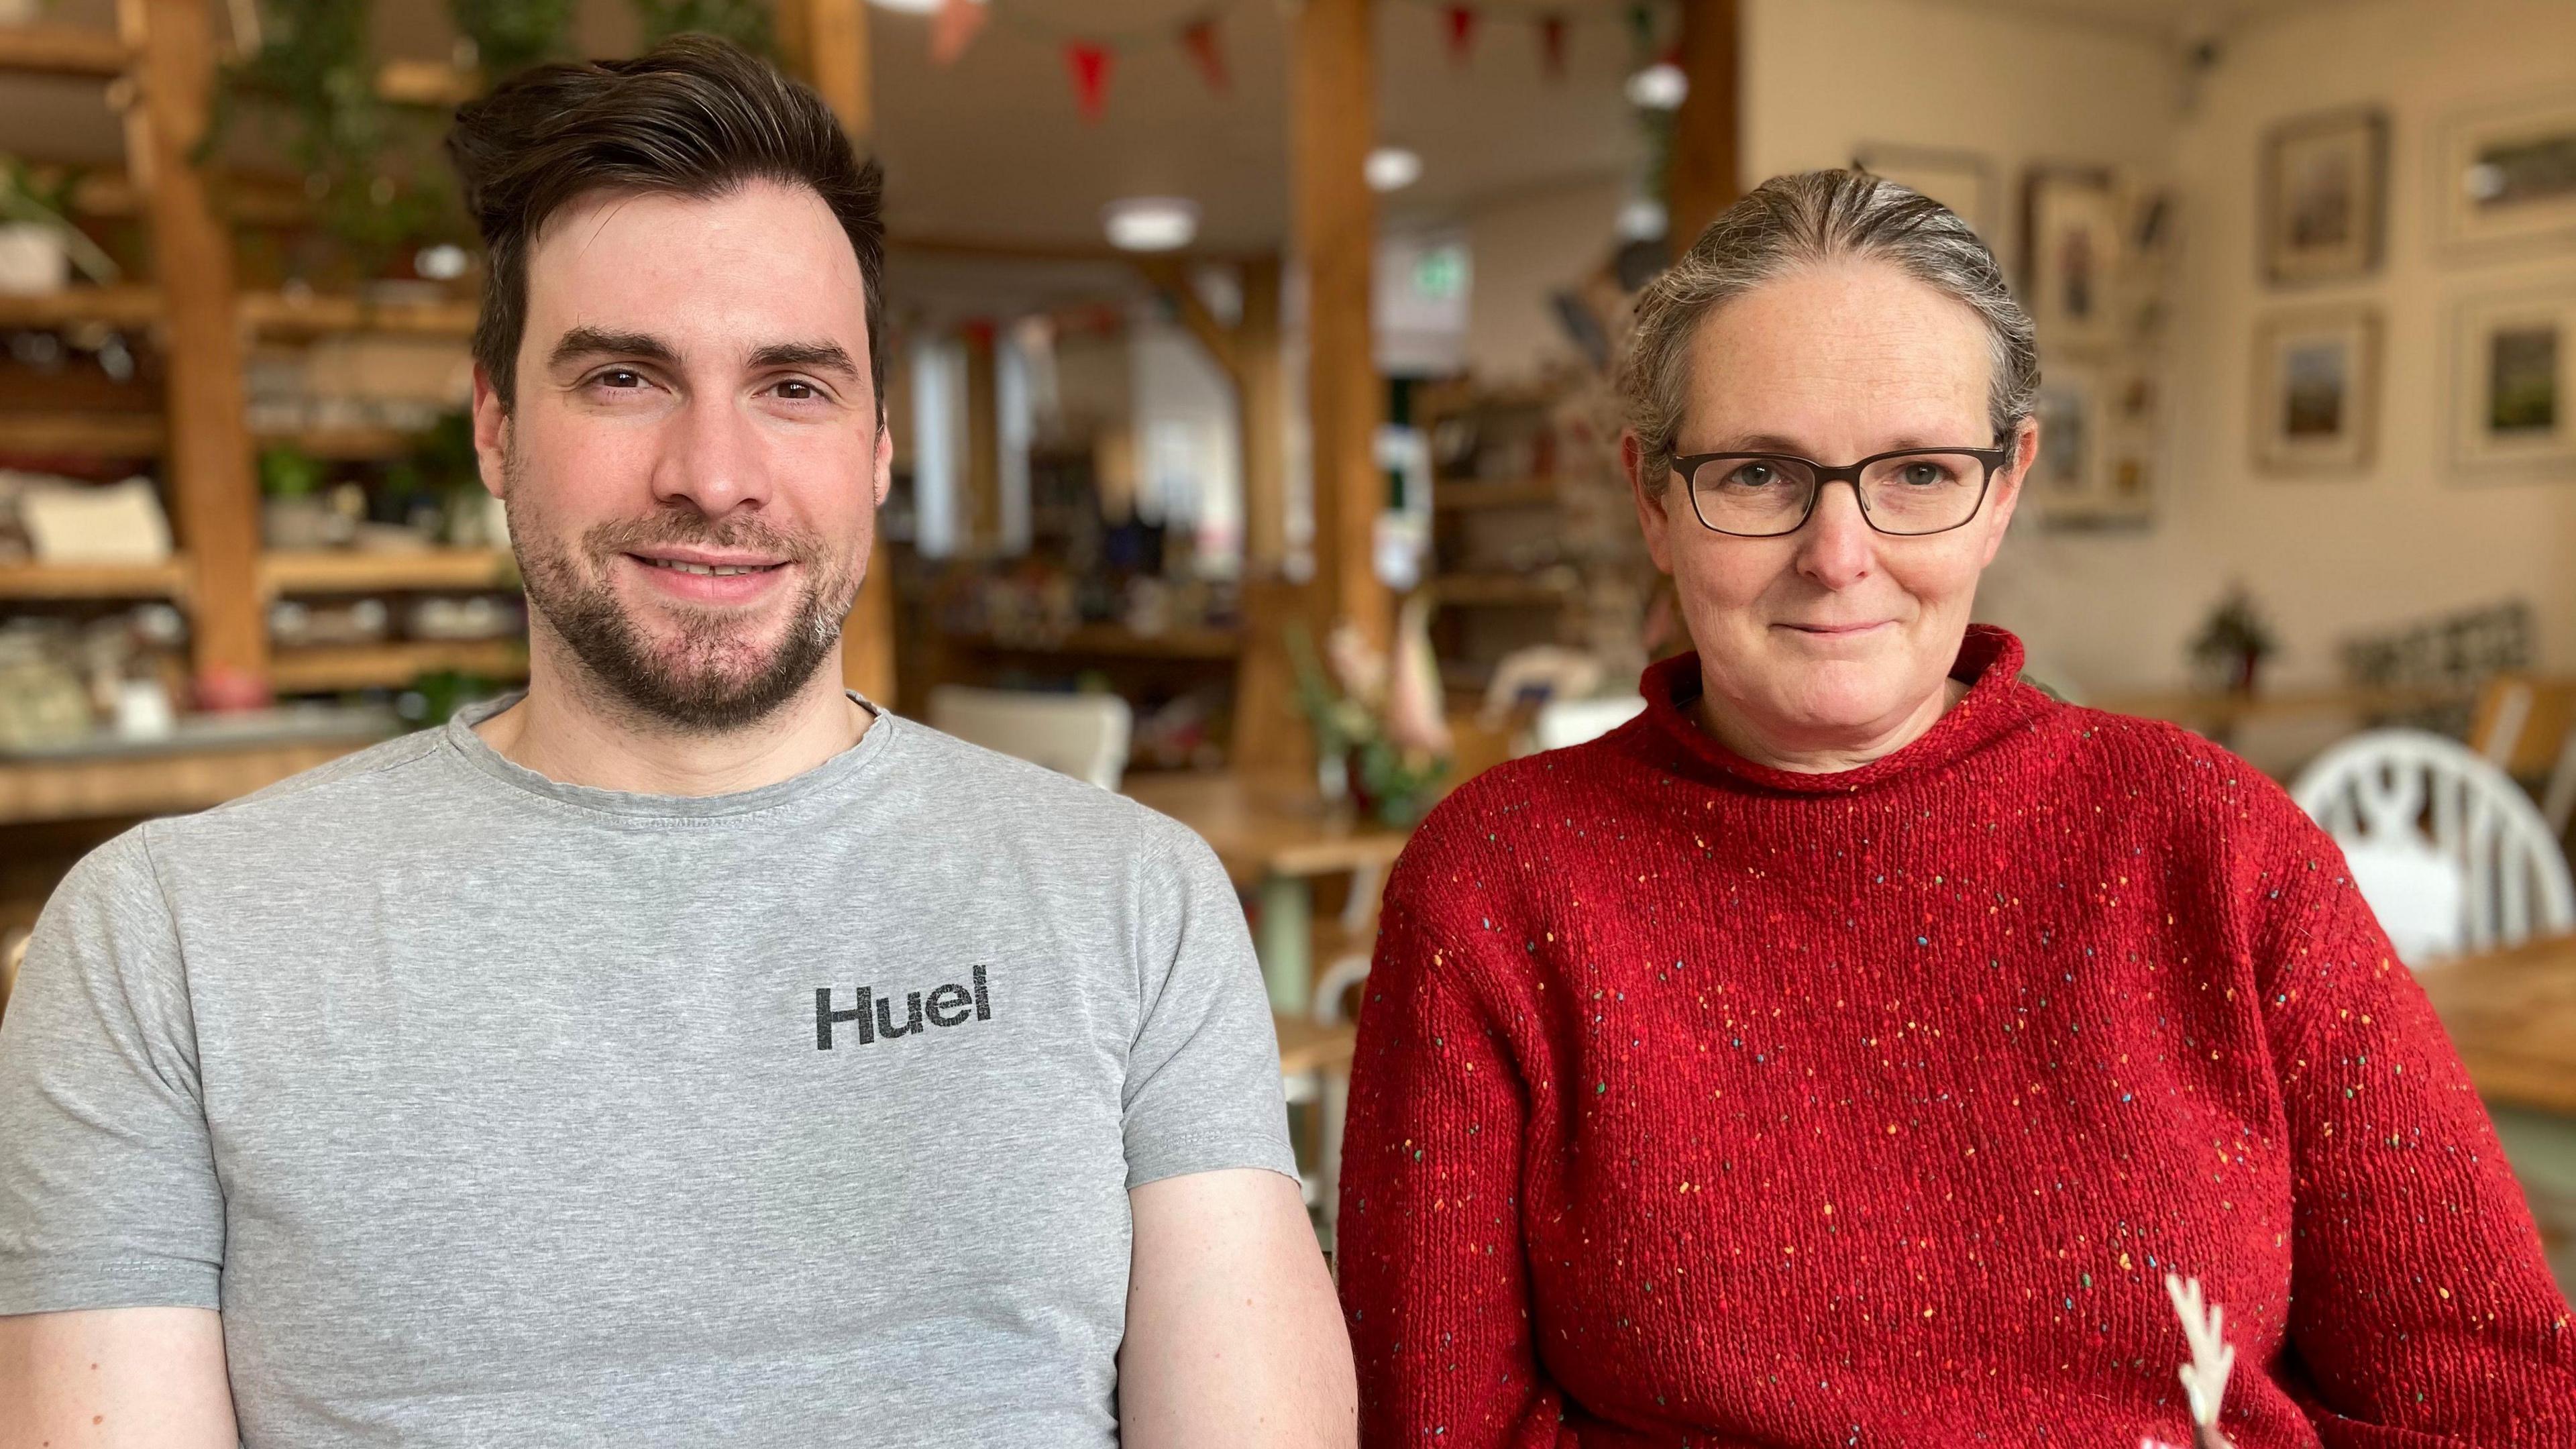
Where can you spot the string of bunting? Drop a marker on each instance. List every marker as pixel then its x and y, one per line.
pixel 1091 55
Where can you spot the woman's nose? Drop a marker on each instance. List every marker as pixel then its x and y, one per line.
pixel 1837 545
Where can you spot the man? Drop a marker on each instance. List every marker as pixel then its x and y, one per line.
pixel 687 1052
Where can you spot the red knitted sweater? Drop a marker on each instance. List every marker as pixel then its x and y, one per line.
pixel 1703 1104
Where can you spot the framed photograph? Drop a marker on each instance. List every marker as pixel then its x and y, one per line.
pixel 2508 175
pixel 2325 196
pixel 1960 180
pixel 2513 383
pixel 2094 467
pixel 2073 243
pixel 2316 390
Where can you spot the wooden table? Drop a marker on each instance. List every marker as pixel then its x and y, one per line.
pixel 2512 1016
pixel 1274 836
pixel 2220 715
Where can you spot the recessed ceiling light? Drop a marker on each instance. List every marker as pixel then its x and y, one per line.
pixel 1659 87
pixel 1150 223
pixel 908 7
pixel 1642 220
pixel 1393 168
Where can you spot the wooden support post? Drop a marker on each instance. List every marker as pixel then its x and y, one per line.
pixel 1705 176
pixel 983 473
pixel 1264 419
pixel 215 494
pixel 827 42
pixel 1333 122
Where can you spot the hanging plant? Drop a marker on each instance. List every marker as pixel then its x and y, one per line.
pixel 511 35
pixel 744 22
pixel 370 167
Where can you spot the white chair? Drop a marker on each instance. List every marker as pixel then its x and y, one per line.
pixel 1563 722
pixel 2446 848
pixel 1082 735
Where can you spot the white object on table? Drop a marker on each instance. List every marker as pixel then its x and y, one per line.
pixel 1082 735
pixel 2444 846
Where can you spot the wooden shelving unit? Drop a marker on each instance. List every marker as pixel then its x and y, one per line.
pixel 95 435
pixel 51 49
pixel 323 668
pixel 1472 494
pixel 355 572
pixel 166 580
pixel 1501 590
pixel 295 315
pixel 125 304
pixel 1112 642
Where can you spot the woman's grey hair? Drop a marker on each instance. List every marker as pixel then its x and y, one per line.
pixel 1801 220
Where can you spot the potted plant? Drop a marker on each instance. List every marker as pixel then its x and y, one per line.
pixel 1380 732
pixel 2232 645
pixel 39 246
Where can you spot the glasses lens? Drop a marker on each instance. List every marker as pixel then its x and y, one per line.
pixel 1923 492
pixel 1752 496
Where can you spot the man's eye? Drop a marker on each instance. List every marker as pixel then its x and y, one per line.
pixel 798 391
pixel 620 377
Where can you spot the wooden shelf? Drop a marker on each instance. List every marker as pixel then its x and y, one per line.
pixel 1111 641
pixel 426 83
pixel 1519 493
pixel 347 444
pixel 165 580
pixel 63 50
pixel 391 666
pixel 94 435
pixel 357 572
pixel 1499 589
pixel 293 315
pixel 125 304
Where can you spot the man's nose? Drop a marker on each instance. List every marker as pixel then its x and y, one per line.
pixel 712 458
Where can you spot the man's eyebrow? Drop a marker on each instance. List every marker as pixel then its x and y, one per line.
pixel 594 341
pixel 821 356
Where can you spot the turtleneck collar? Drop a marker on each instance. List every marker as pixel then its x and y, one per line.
pixel 1989 663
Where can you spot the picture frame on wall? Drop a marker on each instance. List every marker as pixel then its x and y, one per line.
pixel 2325 196
pixel 2506 175
pixel 2513 384
pixel 1963 181
pixel 2074 243
pixel 2316 390
pixel 2095 464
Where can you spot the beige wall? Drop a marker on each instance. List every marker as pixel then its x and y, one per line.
pixel 2326 556
pixel 1526 247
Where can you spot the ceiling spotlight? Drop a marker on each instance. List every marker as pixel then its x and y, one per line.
pixel 1393 168
pixel 1659 87
pixel 1150 223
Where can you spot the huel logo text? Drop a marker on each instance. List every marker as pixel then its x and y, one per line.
pixel 950 1005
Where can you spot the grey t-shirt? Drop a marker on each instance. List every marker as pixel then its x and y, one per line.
pixel 495 1110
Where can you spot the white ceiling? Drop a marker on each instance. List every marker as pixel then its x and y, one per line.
pixel 993 147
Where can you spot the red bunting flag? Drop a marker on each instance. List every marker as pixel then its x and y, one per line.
pixel 1207 53
pixel 1551 46
pixel 954 29
pixel 1462 32
pixel 1089 64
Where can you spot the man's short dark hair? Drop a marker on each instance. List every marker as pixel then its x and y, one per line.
pixel 695 116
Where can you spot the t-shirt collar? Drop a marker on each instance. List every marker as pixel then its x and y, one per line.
pixel 1997 701
pixel 472 750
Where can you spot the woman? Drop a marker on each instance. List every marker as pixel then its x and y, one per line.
pixel 1844 1051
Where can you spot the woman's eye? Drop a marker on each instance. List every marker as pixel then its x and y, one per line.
pixel 1924 475
pixel 1752 475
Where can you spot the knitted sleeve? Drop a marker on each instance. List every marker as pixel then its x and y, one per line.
pixel 1433 1275
pixel 2421 1306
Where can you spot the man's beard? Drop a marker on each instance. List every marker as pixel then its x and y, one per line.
pixel 710 679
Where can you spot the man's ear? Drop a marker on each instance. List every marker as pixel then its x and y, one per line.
pixel 1650 498
pixel 884 462
pixel 491 432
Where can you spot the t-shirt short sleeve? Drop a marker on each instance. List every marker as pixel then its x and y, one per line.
pixel 108 1195
pixel 1203 1076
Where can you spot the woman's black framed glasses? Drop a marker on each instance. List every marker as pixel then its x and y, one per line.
pixel 1906 494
